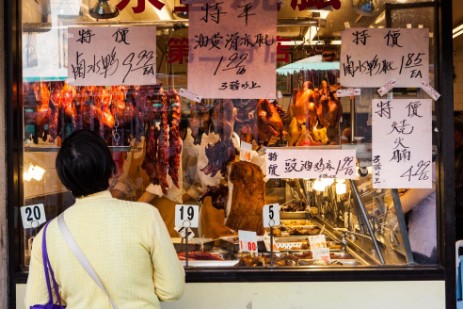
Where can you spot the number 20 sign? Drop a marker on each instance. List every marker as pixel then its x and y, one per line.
pixel 186 215
pixel 32 215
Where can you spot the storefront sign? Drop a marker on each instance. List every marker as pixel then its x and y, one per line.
pixel 232 49
pixel 107 56
pixel 402 143
pixel 310 163
pixel 349 92
pixel 374 57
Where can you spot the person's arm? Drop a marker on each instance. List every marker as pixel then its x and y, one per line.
pixel 168 273
pixel 414 196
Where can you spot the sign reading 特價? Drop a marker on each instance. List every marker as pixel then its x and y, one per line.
pixel 402 143
pixel 232 48
pixel 106 56
pixel 374 57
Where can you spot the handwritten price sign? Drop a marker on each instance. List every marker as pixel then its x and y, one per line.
pixel 107 56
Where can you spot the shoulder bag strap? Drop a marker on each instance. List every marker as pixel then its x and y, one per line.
pixel 48 270
pixel 80 256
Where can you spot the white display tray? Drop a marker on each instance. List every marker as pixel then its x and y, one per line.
pixel 210 263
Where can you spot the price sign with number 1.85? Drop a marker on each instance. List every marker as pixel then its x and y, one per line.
pixel 186 215
pixel 271 215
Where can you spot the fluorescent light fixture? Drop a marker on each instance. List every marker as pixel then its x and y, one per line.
pixel 318 185
pixel 457 31
pixel 341 188
pixel 33 172
pixel 310 34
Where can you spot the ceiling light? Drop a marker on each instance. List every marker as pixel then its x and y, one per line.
pixel 104 10
pixel 33 172
pixel 457 31
pixel 367 7
pixel 310 34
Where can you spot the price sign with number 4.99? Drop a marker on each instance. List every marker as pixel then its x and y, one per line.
pixel 33 216
pixel 186 215
pixel 271 215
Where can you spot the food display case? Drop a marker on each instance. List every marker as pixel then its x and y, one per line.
pixel 175 143
pixel 360 227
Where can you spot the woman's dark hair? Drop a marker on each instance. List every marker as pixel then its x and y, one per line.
pixel 84 163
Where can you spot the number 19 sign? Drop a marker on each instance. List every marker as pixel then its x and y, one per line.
pixel 186 215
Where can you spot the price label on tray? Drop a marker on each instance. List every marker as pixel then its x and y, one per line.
pixel 320 250
pixel 321 254
pixel 186 215
pixel 317 242
pixel 247 241
pixel 271 215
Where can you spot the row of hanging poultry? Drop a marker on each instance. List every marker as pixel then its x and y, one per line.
pixel 120 114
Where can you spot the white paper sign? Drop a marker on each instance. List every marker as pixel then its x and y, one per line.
pixel 232 47
pixel 189 95
pixel 310 163
pixel 317 241
pixel 33 216
pixel 186 215
pixel 373 57
pixel 430 91
pixel 387 87
pixel 318 246
pixel 113 55
pixel 185 232
pixel 271 215
pixel 247 241
pixel 349 92
pixel 402 143
pixel 321 254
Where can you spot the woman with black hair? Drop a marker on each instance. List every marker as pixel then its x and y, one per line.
pixel 126 242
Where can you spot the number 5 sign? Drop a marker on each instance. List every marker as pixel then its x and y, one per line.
pixel 271 215
pixel 186 215
pixel 32 216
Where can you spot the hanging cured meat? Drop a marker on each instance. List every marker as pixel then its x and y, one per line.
pixel 118 114
pixel 150 164
pixel 245 120
pixel 53 126
pixel 329 111
pixel 303 114
pixel 42 111
pixel 218 194
pixel 163 143
pixel 247 198
pixel 222 152
pixel 269 122
pixel 175 141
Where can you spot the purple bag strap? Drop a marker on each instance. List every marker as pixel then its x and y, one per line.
pixel 47 268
